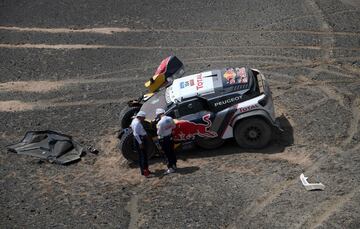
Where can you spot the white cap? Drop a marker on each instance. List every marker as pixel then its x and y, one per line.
pixel 141 114
pixel 159 111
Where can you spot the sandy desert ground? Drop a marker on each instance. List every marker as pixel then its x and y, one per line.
pixel 70 66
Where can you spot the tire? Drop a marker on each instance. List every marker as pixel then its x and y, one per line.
pixel 209 143
pixel 126 114
pixel 126 145
pixel 252 133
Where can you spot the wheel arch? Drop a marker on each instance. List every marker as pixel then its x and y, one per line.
pixel 261 114
pixel 126 114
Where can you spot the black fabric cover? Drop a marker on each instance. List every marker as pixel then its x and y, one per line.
pixel 49 145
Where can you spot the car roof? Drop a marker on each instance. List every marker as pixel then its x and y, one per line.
pixel 210 83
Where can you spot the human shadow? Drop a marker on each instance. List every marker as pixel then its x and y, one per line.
pixel 162 160
pixel 159 173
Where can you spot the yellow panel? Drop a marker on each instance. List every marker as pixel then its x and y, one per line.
pixel 159 80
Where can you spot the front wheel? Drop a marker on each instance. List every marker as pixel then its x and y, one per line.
pixel 126 115
pixel 252 133
pixel 127 147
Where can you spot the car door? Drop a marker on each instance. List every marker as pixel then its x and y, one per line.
pixel 193 118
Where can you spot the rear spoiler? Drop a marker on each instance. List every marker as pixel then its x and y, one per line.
pixel 260 79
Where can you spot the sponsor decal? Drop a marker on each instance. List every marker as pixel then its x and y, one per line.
pixel 199 82
pixel 186 130
pixel 237 75
pixel 241 74
pixel 230 76
pixel 227 101
pixel 187 83
pixel 248 108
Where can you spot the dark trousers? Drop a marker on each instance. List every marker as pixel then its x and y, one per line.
pixel 143 159
pixel 167 144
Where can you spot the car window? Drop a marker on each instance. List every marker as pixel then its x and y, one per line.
pixel 190 107
pixel 171 113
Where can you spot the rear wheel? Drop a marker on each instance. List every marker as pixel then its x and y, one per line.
pixel 127 147
pixel 209 143
pixel 252 133
pixel 126 114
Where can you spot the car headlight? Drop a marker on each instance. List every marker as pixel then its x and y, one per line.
pixel 179 73
pixel 170 79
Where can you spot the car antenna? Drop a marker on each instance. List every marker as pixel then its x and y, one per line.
pixel 213 75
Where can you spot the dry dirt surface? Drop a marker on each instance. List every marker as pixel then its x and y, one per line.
pixel 70 66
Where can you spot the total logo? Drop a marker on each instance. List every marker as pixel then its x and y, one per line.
pixel 248 108
pixel 199 82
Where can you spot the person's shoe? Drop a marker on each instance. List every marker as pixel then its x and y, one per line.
pixel 148 174
pixel 169 170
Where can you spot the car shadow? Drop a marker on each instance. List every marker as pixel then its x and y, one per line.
pixel 280 141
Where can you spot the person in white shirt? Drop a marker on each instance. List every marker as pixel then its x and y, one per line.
pixel 140 138
pixel 164 131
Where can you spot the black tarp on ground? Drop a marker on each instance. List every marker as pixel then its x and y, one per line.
pixel 49 145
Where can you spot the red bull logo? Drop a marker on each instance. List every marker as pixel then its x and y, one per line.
pixel 230 76
pixel 186 130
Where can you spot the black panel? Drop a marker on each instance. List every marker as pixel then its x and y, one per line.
pixel 173 66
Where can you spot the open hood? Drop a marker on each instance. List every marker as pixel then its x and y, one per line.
pixel 170 68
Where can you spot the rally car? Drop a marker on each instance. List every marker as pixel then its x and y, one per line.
pixel 207 107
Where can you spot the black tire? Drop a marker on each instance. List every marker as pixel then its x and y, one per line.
pixel 209 143
pixel 126 145
pixel 252 133
pixel 126 114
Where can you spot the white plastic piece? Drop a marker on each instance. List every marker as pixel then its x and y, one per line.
pixel 309 186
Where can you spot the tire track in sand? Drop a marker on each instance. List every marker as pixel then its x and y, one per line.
pixel 327 209
pixel 47 86
pixel 19 106
pixel 114 30
pixel 327 41
pixel 354 122
pixel 132 208
pixel 326 47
